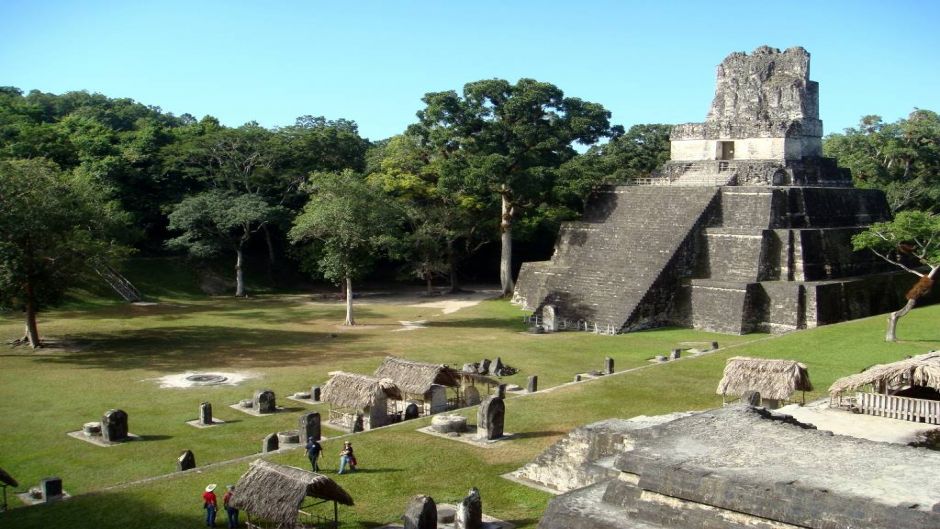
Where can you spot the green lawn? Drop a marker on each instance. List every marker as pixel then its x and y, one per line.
pixel 290 343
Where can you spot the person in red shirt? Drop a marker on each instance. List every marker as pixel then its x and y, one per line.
pixel 230 511
pixel 210 504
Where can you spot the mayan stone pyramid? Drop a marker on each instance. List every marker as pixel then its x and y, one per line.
pixel 746 228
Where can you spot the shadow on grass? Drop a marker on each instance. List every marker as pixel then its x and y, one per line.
pixel 155 437
pixel 543 433
pixel 205 347
pixel 375 470
pixel 512 324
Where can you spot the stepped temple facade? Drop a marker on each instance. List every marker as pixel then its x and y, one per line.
pixel 747 227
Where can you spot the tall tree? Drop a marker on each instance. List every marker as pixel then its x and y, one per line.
pixel 514 137
pixel 901 158
pixel 911 242
pixel 52 225
pixel 346 224
pixel 216 220
pixel 443 223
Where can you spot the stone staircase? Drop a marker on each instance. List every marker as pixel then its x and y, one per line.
pixel 611 267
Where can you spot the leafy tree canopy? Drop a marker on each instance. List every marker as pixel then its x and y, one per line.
pixel 901 158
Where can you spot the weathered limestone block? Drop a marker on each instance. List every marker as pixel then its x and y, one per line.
pixel 533 384
pixel 309 426
pixel 270 443
pixel 411 411
pixel 550 318
pixel 315 393
pixel 358 423
pixel 449 423
pixel 287 437
pixel 91 429
pixel 471 396
pixel 490 418
pixel 186 461
pixel 609 365
pixel 751 398
pixel 114 426
pixel 484 367
pixel 264 401
pixel 51 488
pixel 421 513
pixel 501 391
pixel 470 511
pixel 205 414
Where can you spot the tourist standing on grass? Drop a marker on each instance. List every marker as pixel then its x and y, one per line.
pixel 230 511
pixel 346 458
pixel 313 453
pixel 210 504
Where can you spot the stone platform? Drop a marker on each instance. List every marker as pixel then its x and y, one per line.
pixel 469 437
pixel 196 423
pixel 97 440
pixel 445 511
pixel 737 467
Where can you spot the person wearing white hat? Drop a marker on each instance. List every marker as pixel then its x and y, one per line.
pixel 211 504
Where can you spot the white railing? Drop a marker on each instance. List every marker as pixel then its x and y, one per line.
pixel 894 407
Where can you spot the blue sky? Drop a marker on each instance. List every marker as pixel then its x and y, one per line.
pixel 647 62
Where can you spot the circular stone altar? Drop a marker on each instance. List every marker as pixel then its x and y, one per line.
pixel 449 423
pixel 206 379
pixel 288 437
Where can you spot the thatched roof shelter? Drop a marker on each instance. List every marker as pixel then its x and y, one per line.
pixel 7 480
pixel 349 390
pixel 922 370
pixel 275 492
pixel 416 378
pixel 773 379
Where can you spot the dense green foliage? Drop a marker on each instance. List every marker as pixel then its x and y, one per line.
pixel 492 164
pixel 901 158
pixel 55 227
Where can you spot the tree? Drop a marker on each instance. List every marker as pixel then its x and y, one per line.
pixel 438 217
pixel 911 242
pixel 52 224
pixel 347 222
pixel 513 137
pixel 901 158
pixel 214 220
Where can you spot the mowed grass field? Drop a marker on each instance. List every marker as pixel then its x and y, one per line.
pixel 288 342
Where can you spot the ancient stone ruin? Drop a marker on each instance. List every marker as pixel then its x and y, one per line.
pixel 186 461
pixel 421 513
pixel 205 414
pixel 309 426
pixel 264 401
pixel 746 228
pixel 114 426
pixel 469 514
pixel 730 468
pixel 490 419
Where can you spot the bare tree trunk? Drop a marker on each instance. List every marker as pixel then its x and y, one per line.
pixel 239 274
pixel 430 281
pixel 32 330
pixel 349 303
pixel 891 335
pixel 452 264
pixel 271 258
pixel 505 257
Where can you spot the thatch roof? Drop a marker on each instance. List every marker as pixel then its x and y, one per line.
pixel 7 479
pixel 349 390
pixel 921 370
pixel 773 379
pixel 416 378
pixel 275 492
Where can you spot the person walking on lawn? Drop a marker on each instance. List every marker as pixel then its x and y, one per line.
pixel 231 512
pixel 313 453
